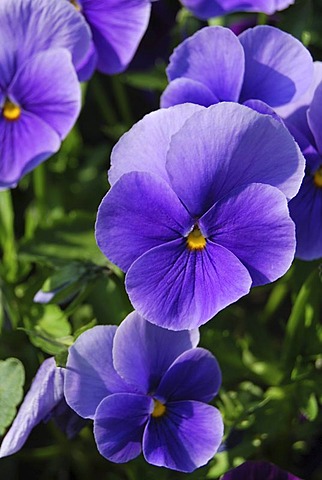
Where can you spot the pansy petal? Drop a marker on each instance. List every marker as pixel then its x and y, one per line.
pixel 194 375
pixel 119 425
pixel 254 224
pixel 144 147
pixel 186 437
pixel 278 68
pixel 262 107
pixel 314 117
pixel 258 470
pixel 306 211
pixel 45 393
pixel 206 9
pixel 142 352
pixel 87 66
pixel 179 289
pixel 24 144
pixel 185 90
pixel 47 86
pixel 209 57
pixel 247 147
pixel 138 213
pixel 117 27
pixel 90 374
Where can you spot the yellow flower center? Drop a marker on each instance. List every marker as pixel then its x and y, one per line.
pixel 11 111
pixel 195 240
pixel 76 4
pixel 159 409
pixel 318 178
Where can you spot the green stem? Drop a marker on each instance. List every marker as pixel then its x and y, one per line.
pixel 122 100
pixel 7 235
pixel 262 19
pixel 39 181
pixel 103 102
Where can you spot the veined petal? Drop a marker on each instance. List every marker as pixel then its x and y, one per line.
pixel 138 213
pixel 143 352
pixel 262 107
pixel 205 9
pixel 253 222
pixel 185 90
pixel 235 146
pixel 45 393
pixel 87 66
pixel 46 85
pixel 90 374
pixel 214 57
pixel 314 117
pixel 194 375
pixel 278 68
pixel 144 147
pixel 179 289
pixel 186 437
pixel 119 425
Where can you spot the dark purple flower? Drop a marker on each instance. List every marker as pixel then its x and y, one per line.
pixel 44 400
pixel 258 471
pixel 117 28
pixel 263 68
pixel 39 91
pixel 197 213
pixel 146 388
pixel 205 9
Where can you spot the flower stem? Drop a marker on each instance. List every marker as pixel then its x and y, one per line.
pixel 7 235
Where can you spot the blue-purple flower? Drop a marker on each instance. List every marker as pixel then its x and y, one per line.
pixel 147 389
pixel 117 28
pixel 205 9
pixel 263 68
pixel 197 212
pixel 40 42
pixel 258 471
pixel 45 400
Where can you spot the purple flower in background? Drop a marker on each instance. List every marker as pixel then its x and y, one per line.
pixel 44 400
pixel 117 28
pixel 263 68
pixel 258 471
pixel 147 389
pixel 39 91
pixel 197 213
pixel 205 9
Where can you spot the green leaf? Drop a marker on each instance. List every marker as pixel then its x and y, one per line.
pixel 12 377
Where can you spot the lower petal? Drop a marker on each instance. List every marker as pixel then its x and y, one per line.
pixel 119 425
pixel 186 437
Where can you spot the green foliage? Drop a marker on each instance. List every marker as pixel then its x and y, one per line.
pixel 12 377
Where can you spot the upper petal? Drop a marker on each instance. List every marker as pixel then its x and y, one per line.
pixel 144 147
pixel 90 374
pixel 234 146
pixel 212 56
pixel 143 352
pixel 45 393
pixel 278 68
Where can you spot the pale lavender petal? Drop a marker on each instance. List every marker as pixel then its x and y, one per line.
pixel 178 288
pixel 90 374
pixel 194 375
pixel 143 352
pixel 138 213
pixel 209 57
pixel 186 437
pixel 314 117
pixel 278 68
pixel 117 27
pixel 185 90
pixel 47 86
pixel 44 395
pixel 119 425
pixel 247 147
pixel 144 147
pixel 254 224
pixel 258 471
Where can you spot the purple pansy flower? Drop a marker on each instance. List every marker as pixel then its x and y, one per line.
pixel 44 400
pixel 197 213
pixel 39 90
pixel 117 28
pixel 263 68
pixel 258 471
pixel 146 388
pixel 205 9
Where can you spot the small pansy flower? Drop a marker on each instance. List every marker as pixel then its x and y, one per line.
pixel 262 68
pixel 205 9
pixel 45 400
pixel 147 389
pixel 197 212
pixel 258 471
